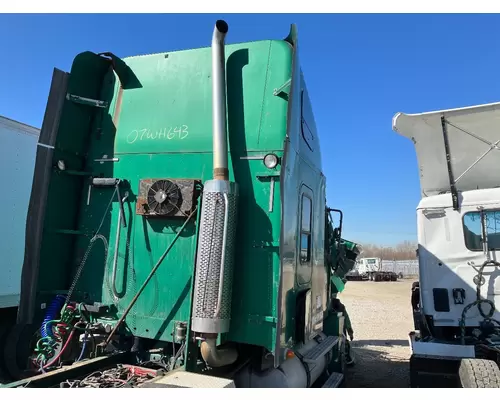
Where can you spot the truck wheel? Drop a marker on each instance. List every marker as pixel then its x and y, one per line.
pixel 479 373
pixel 7 321
pixel 4 331
pixel 18 349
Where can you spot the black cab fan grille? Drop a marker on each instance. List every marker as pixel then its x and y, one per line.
pixel 164 197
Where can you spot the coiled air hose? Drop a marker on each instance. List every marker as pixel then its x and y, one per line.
pixel 488 317
pixel 46 347
pixel 53 311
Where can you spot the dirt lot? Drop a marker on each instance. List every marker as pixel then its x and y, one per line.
pixel 380 313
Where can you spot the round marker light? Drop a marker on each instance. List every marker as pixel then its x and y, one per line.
pixel 289 354
pixel 61 165
pixel 270 161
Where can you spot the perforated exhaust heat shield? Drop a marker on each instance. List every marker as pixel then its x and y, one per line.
pixel 215 258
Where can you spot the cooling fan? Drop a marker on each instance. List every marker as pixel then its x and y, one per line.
pixel 166 197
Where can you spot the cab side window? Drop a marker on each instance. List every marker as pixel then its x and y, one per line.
pixel 305 230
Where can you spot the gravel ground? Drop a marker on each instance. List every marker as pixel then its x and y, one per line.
pixel 380 313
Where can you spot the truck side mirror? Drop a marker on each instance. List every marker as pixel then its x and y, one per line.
pixel 337 231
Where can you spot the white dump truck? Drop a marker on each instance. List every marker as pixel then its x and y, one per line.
pixel 18 143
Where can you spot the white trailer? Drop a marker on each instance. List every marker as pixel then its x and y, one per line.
pixel 457 325
pixel 18 143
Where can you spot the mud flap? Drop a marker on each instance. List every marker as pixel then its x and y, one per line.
pixel 433 372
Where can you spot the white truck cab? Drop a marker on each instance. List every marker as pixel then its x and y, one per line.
pixel 367 265
pixel 458 220
pixel 370 268
pixel 451 252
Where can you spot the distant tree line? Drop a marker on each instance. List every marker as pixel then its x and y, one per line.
pixel 403 251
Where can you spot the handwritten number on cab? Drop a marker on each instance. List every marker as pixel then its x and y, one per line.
pixel 174 132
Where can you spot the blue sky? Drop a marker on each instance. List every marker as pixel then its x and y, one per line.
pixel 360 71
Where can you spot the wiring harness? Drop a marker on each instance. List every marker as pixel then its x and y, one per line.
pixel 118 377
pixel 57 334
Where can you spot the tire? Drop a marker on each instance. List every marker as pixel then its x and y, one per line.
pixel 479 373
pixel 7 321
pixel 17 349
pixel 4 374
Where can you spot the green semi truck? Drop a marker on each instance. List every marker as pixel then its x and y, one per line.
pixel 178 232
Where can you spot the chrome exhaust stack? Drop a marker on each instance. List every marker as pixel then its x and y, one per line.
pixel 219 120
pixel 211 312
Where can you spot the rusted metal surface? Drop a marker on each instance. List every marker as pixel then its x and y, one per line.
pixel 182 201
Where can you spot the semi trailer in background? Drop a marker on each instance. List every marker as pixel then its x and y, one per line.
pixel 18 143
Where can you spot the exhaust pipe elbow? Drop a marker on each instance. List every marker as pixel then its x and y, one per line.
pixel 219 122
pixel 215 357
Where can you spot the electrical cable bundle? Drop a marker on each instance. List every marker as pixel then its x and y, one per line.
pixel 117 377
pixel 57 334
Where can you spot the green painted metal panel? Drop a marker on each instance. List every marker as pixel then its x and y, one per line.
pixel 172 111
pixel 338 283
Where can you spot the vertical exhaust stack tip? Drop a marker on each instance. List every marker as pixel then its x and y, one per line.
pixel 221 26
pixel 219 123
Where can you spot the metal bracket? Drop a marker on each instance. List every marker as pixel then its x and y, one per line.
pixel 252 158
pixel 106 159
pixel 453 188
pixel 271 196
pixel 86 101
pixel 261 318
pixel 284 90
